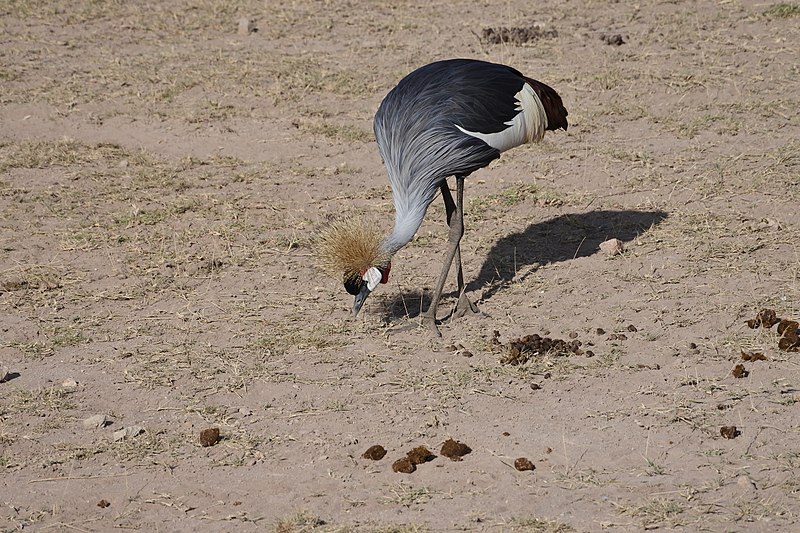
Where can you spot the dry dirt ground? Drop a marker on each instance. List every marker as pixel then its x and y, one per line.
pixel 162 177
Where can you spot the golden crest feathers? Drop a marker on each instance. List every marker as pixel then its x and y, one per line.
pixel 350 246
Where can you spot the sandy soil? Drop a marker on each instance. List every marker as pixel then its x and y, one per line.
pixel 162 177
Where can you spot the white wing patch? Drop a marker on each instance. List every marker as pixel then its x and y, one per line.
pixel 527 126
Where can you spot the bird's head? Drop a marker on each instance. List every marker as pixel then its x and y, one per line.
pixel 353 247
pixel 360 285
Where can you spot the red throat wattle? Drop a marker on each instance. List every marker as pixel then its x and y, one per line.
pixel 385 273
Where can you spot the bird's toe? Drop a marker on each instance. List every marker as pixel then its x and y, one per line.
pixel 430 322
pixel 465 306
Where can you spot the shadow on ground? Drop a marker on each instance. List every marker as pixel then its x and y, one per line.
pixel 559 239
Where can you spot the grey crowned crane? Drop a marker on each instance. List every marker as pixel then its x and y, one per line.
pixel 448 118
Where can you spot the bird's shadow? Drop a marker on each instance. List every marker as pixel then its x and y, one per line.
pixel 561 238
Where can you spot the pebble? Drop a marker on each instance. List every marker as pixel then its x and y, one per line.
pixel 746 483
pixel 612 247
pixel 96 422
pixel 128 432
pixel 247 26
pixel 69 384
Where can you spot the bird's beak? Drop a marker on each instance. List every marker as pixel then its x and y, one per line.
pixel 361 297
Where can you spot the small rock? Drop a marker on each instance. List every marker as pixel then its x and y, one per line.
pixel 247 26
pixel 69 384
pixel 244 411
pixel 128 432
pixel 746 483
pixel 123 163
pixel 612 247
pixel 96 422
pixel 103 504
pixel 3 373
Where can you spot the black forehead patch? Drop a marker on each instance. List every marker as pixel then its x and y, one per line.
pixel 353 284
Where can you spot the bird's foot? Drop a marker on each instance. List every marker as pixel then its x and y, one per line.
pixel 430 322
pixel 465 307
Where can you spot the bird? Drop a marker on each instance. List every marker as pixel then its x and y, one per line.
pixel 445 119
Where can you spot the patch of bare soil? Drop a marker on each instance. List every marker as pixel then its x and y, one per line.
pixel 172 358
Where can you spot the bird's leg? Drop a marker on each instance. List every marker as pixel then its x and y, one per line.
pixel 454 238
pixel 464 305
pixel 450 208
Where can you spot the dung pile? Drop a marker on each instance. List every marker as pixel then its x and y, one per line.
pixel 455 450
pixel 787 329
pixel 520 351
pixel 516 35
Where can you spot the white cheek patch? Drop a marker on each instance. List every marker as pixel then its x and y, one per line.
pixel 373 276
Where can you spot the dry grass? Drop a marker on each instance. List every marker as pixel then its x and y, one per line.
pixel 533 524
pixel 178 283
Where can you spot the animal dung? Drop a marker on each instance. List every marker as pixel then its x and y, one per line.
pixel 787 329
pixel 522 350
pixel 414 457
pixel 420 455
pixel 729 432
pixel 766 318
pixel 103 504
pixel 739 372
pixel 455 450
pixel 615 39
pixel 612 247
pixel 404 466
pixel 785 326
pixel 516 35
pixel 209 437
pixel 524 464
pixel 753 356
pixel 790 341
pixel 375 453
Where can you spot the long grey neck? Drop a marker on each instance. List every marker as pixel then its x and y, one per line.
pixel 406 224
